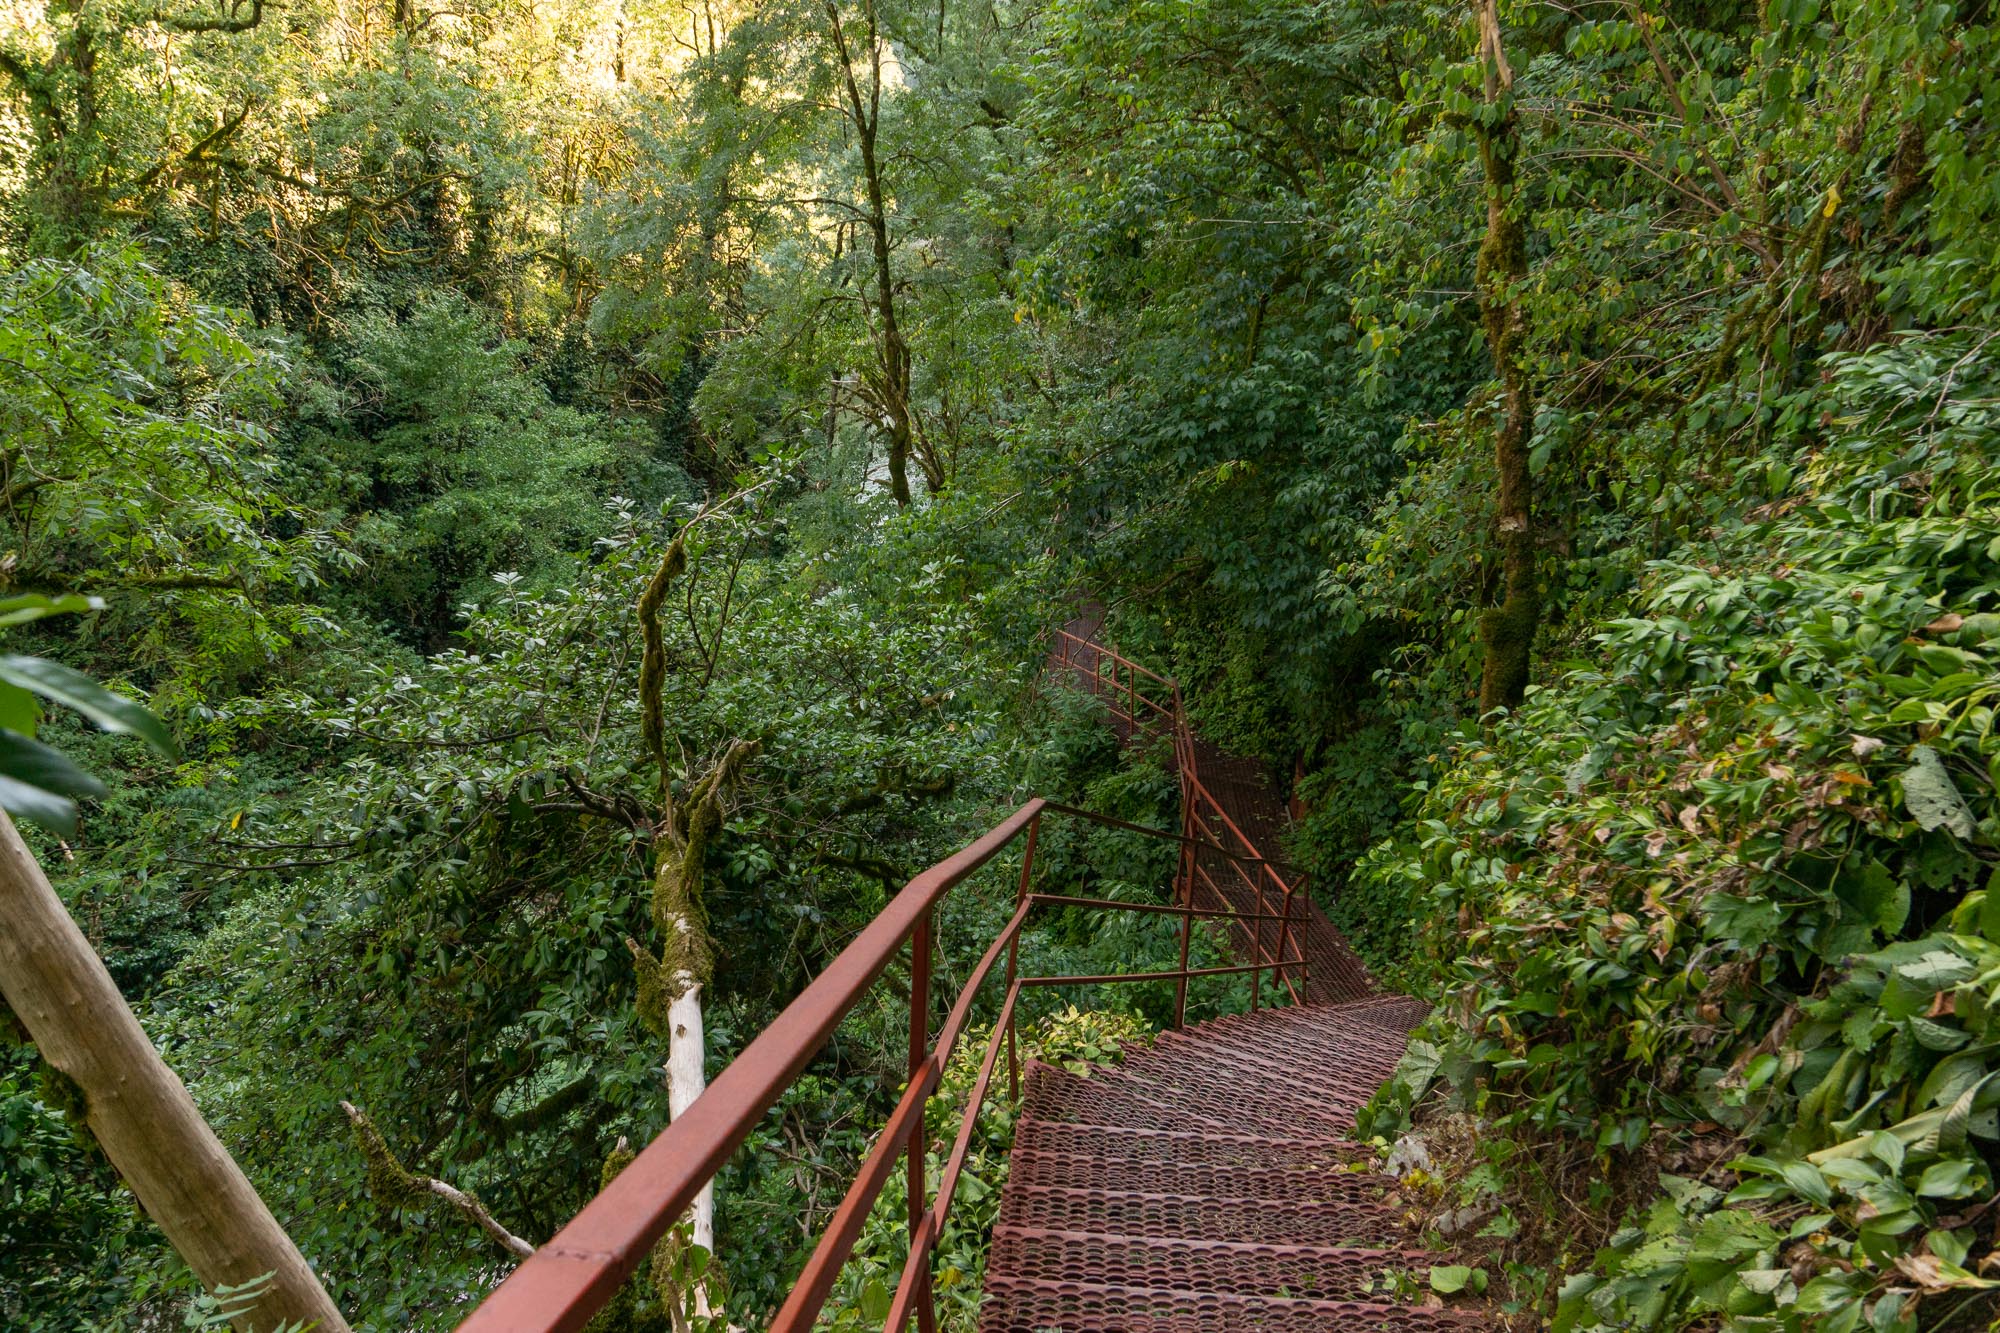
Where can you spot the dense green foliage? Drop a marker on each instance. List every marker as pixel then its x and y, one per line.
pixel 360 366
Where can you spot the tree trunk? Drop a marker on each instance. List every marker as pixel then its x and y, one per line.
pixel 1507 630
pixel 137 1107
pixel 893 353
pixel 686 1080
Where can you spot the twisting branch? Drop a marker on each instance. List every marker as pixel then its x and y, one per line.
pixel 393 1185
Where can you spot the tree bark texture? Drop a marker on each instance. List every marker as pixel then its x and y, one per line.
pixel 670 985
pixel 890 378
pixel 1506 631
pixel 138 1108
pixel 687 1079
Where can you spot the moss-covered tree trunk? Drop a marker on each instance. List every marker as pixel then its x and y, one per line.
pixel 1506 631
pixel 671 982
pixel 889 379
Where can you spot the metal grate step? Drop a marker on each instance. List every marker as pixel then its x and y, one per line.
pixel 1030 1305
pixel 1308 1272
pixel 1276 1184
pixel 1285 1072
pixel 1197 1217
pixel 1126 1144
pixel 1206 1184
pixel 1107 1099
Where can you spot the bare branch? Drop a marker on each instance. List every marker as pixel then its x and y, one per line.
pixel 395 1185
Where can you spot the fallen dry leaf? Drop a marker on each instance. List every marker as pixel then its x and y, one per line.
pixel 1926 1270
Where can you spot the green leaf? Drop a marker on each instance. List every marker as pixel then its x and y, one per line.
pixel 18 709
pixel 1886 1148
pixel 27 606
pixel 73 689
pixel 1946 1179
pixel 43 766
pixel 25 801
pixel 874 1301
pixel 1932 798
pixel 1447 1279
pixel 1877 895
pixel 1805 1178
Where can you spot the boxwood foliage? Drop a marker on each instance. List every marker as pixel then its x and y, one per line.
pixel 1717 914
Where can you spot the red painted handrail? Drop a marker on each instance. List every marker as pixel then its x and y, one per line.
pixel 565 1282
pixel 1098 669
pixel 571 1277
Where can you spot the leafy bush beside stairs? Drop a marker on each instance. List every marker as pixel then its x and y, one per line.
pixel 1717 916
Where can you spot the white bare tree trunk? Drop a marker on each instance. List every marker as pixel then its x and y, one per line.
pixel 138 1108
pixel 686 1078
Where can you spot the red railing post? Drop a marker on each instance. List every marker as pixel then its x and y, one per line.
pixel 920 1054
pixel 1186 895
pixel 1257 976
pixel 1183 764
pixel 1013 954
pixel 1284 942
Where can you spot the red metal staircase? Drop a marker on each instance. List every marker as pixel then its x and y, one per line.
pixel 1203 1183
pixel 1230 813
pixel 1207 1183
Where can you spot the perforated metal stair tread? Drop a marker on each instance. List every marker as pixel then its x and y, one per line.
pixel 1226 1094
pixel 1206 1183
pixel 1217 1098
pixel 1029 1305
pixel 1351 1085
pixel 1197 1217
pixel 1274 1183
pixel 1125 1143
pixel 1306 1272
pixel 1107 1099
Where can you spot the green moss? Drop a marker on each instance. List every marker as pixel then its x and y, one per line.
pixel 390 1183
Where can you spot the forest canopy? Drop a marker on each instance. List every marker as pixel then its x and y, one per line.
pixel 583 483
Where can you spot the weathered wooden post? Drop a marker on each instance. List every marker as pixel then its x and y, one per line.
pixel 138 1108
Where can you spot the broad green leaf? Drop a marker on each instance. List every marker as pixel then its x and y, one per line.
pixel 54 813
pixel 43 766
pixel 1946 1179
pixel 73 689
pixel 874 1301
pixel 1933 799
pixel 19 710
pixel 24 607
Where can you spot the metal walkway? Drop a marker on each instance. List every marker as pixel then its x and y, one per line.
pixel 1228 804
pixel 1206 1183
pixel 1203 1184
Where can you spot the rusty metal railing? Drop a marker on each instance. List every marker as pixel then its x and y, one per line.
pixel 569 1279
pixel 1147 702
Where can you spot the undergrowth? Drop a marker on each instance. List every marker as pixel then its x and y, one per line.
pixel 1716 916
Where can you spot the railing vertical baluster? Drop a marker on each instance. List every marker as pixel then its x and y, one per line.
pixel 1283 976
pixel 1013 953
pixel 1186 887
pixel 920 1052
pixel 1183 765
pixel 1256 926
